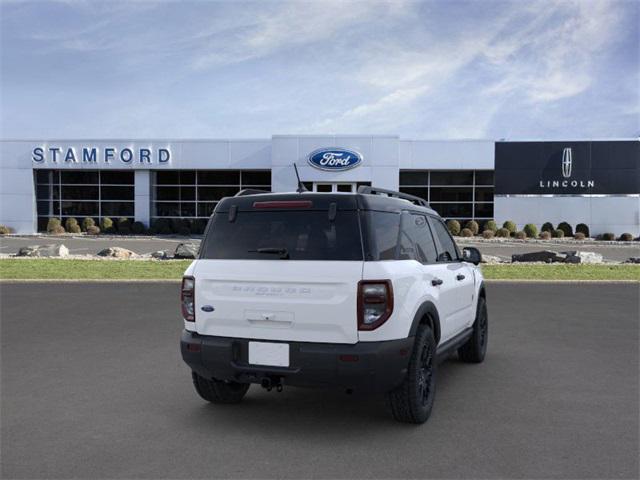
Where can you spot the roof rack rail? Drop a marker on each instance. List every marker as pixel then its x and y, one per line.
pixel 250 191
pixel 392 193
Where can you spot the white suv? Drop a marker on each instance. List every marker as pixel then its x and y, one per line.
pixel 362 291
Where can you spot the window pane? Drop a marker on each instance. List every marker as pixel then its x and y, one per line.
pixel 167 209
pixel 168 178
pixel 117 178
pixel 484 177
pixel 421 192
pixel 447 245
pixel 42 176
pixel 117 209
pixel 80 209
pixel 80 192
pixel 117 193
pixel 383 228
pixel 484 194
pixel 418 230
pixel 42 191
pixel 453 210
pixel 42 223
pixel 188 209
pixel 219 177
pixel 449 194
pixel 414 178
pixel 453 177
pixel 79 177
pixel 43 208
pixel 216 193
pixel 187 177
pixel 256 178
pixel 168 193
pixel 187 193
pixel 484 210
pixel 205 209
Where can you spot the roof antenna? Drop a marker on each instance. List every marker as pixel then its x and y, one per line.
pixel 301 188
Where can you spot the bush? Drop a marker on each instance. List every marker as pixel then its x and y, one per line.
pixel 160 226
pixel 106 225
pixel 88 222
pixel 57 230
pixel 626 237
pixel 608 236
pixel 52 224
pixel 454 227
pixel 488 234
pixel 466 232
pixel 70 222
pixel 4 230
pixel 93 230
pixel 566 228
pixel 491 225
pixel 503 233
pixel 583 228
pixel 579 236
pixel 547 227
pixel 557 233
pixel 509 225
pixel 124 226
pixel 531 230
pixel 74 229
pixel 521 235
pixel 546 235
pixel 138 228
pixel 473 226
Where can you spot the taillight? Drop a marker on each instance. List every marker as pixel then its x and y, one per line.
pixel 187 298
pixel 375 303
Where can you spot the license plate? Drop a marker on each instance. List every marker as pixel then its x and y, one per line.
pixel 272 354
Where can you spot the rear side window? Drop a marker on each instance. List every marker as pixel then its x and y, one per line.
pixel 415 227
pixel 447 247
pixel 272 235
pixel 383 234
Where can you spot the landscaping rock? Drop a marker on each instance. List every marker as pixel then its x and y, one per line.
pixel 160 255
pixel 186 250
pixel 116 252
pixel 491 259
pixel 632 260
pixel 583 257
pixel 546 256
pixel 53 250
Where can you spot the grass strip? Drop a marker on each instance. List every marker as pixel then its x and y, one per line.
pixel 559 271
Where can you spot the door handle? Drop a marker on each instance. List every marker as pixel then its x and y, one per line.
pixel 436 281
pixel 460 277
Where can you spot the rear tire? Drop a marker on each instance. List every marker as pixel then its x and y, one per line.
pixel 217 391
pixel 412 401
pixel 474 350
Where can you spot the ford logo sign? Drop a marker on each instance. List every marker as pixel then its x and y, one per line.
pixel 334 159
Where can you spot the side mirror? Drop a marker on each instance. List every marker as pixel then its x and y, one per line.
pixel 471 255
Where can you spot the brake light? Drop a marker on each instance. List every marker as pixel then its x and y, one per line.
pixel 375 303
pixel 187 298
pixel 284 204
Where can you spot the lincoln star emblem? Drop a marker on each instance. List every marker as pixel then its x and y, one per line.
pixel 566 162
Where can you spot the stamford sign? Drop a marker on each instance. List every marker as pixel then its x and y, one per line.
pixel 95 155
pixel 566 169
pixel 334 159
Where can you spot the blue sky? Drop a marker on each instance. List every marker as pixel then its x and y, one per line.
pixel 422 70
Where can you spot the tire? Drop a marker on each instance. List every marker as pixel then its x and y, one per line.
pixel 474 350
pixel 217 391
pixel 412 401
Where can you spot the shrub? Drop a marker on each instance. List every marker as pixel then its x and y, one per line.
pixel 488 234
pixel 454 227
pixel 160 226
pixel 583 228
pixel 491 225
pixel 503 233
pixel 557 233
pixel 473 226
pixel 57 230
pixel 4 230
pixel 138 228
pixel 466 232
pixel 74 228
pixel 106 225
pixel 566 228
pixel 52 224
pixel 93 230
pixel 124 226
pixel 509 225
pixel 626 237
pixel 531 230
pixel 608 236
pixel 579 236
pixel 521 235
pixel 547 227
pixel 88 222
pixel 546 235
pixel 70 222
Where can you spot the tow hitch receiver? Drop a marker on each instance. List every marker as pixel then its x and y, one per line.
pixel 269 383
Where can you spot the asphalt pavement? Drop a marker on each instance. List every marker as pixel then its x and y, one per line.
pixel 93 386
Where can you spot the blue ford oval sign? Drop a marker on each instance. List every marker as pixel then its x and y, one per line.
pixel 334 159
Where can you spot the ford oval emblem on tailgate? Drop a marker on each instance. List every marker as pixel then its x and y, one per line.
pixel 207 308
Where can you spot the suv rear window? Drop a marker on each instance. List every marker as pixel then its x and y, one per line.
pixel 265 235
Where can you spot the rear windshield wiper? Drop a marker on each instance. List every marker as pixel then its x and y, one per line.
pixel 284 254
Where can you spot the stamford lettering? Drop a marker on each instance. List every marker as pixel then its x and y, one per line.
pixel 108 155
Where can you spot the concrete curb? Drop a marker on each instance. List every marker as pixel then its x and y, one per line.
pixel 166 280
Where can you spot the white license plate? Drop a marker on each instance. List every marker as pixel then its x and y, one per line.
pixel 272 354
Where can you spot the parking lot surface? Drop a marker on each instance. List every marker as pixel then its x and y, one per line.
pixel 93 386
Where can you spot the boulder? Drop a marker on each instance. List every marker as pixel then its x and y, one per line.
pixel 583 257
pixel 186 250
pixel 160 255
pixel 632 260
pixel 491 259
pixel 546 256
pixel 116 252
pixel 52 250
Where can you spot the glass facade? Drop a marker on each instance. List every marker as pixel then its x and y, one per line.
pixel 195 193
pixel 84 193
pixel 459 194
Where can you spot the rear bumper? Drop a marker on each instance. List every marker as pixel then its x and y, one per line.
pixel 364 366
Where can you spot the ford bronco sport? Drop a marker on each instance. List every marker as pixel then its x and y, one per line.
pixel 363 291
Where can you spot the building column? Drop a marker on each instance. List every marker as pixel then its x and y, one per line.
pixel 142 196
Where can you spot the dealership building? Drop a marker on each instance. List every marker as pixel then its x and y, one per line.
pixel 596 182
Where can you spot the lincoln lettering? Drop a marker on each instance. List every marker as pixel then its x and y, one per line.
pixel 567 183
pixel 108 155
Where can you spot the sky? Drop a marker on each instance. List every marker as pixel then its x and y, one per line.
pixel 420 70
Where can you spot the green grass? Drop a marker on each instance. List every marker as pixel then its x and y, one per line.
pixel 52 269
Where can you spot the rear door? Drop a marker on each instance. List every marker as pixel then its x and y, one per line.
pixel 280 273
